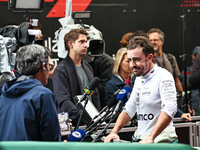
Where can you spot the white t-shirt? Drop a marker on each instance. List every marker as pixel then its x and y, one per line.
pixel 151 94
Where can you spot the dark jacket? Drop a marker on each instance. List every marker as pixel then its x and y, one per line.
pixel 28 112
pixel 178 113
pixel 67 85
pixel 102 67
pixel 113 85
pixel 194 79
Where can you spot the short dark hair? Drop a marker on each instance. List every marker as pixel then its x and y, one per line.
pixel 139 33
pixel 29 58
pixel 142 42
pixel 73 35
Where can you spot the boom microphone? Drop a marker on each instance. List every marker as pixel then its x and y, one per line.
pixel 89 90
pixel 77 135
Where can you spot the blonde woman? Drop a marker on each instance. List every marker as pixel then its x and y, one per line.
pixel 122 74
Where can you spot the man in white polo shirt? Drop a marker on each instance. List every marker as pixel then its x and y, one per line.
pixel 153 97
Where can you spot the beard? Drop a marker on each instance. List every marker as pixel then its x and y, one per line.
pixel 138 71
pixel 141 71
pixel 155 48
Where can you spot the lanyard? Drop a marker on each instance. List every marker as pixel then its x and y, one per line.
pixel 163 66
pixel 130 83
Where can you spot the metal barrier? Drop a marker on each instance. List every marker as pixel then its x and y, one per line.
pixel 188 132
pixel 198 133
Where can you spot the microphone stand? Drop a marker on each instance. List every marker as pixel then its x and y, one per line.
pixel 97 126
pixel 100 120
pixel 96 116
pixel 101 133
pixel 184 56
pixel 105 128
pixel 81 115
pixel 97 123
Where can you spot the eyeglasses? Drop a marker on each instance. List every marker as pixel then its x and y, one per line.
pixel 51 66
pixel 154 40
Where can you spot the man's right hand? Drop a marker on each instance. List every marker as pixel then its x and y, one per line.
pixel 111 136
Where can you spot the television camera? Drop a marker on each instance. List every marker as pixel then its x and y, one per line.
pixel 95 43
pixel 14 36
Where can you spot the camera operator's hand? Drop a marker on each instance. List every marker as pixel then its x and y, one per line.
pixel 111 136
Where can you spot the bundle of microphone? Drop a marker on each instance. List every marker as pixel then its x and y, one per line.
pixel 108 114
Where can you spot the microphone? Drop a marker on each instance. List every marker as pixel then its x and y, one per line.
pixel 77 135
pixel 110 103
pixel 89 90
pixel 122 98
pixel 104 113
pixel 113 101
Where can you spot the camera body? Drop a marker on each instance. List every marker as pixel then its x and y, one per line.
pixel 95 43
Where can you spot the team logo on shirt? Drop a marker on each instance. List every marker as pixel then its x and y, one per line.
pixel 152 71
pixel 145 117
pixel 147 93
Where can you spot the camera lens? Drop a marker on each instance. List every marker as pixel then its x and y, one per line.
pixel 96 47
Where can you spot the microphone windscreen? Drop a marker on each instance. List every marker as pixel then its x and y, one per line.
pixel 77 135
pixel 93 83
pixel 113 101
pixel 124 94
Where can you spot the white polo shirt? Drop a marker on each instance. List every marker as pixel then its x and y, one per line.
pixel 151 94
